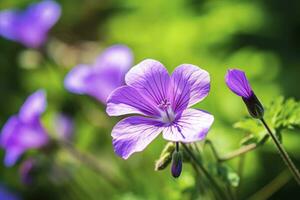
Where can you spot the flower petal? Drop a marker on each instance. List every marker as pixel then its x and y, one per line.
pixel 8 19
pixel 127 100
pixel 151 79
pixel 12 155
pixel 33 107
pixel 116 59
pixel 237 82
pixel 31 135
pixel 192 126
pixel 8 130
pixel 43 14
pixel 75 80
pixel 133 134
pixel 104 76
pixel 190 84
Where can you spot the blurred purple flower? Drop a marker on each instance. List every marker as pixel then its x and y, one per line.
pixel 26 170
pixel 237 82
pixel 30 27
pixel 24 131
pixel 5 194
pixel 163 101
pixel 101 78
pixel 64 126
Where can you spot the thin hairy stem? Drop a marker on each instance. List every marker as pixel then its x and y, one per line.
pixel 236 153
pixel 283 153
pixel 220 192
pixel 91 162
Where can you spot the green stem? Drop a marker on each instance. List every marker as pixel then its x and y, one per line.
pixel 237 152
pixel 268 190
pixel 283 153
pixel 220 192
pixel 91 162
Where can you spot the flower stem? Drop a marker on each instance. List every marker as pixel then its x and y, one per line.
pixel 283 153
pixel 268 190
pixel 220 192
pixel 91 162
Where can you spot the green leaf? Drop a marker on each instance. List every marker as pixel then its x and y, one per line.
pixel 228 175
pixel 282 114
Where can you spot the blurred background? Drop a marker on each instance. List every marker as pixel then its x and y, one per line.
pixel 258 36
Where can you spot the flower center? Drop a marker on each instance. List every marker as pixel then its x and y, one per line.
pixel 166 112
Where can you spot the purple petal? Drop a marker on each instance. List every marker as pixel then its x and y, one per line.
pixel 192 126
pixel 117 58
pixel 106 75
pixel 237 82
pixel 33 107
pixel 127 100
pixel 44 14
pixel 17 137
pixel 133 134
pixel 8 130
pixel 31 26
pixel 6 194
pixel 151 79
pixel 31 135
pixel 190 84
pixel 12 155
pixel 75 81
pixel 8 20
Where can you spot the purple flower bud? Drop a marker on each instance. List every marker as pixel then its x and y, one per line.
pixel 238 83
pixel 64 127
pixel 24 131
pixel 31 26
pixel 26 170
pixel 176 167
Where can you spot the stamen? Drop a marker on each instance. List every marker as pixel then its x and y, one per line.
pixel 166 112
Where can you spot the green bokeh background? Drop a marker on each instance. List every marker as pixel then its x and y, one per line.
pixel 258 36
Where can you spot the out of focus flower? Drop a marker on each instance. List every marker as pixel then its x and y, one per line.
pixel 164 102
pixel 5 194
pixel 31 26
pixel 237 82
pixel 101 78
pixel 24 131
pixel 64 127
pixel 26 170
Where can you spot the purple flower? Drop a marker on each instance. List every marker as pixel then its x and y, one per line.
pixel 105 75
pixel 64 127
pixel 30 27
pixel 24 131
pixel 5 194
pixel 237 82
pixel 163 104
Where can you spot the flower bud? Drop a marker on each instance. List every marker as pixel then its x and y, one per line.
pixel 176 167
pixel 165 157
pixel 255 108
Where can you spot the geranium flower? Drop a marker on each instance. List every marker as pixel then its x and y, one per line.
pixel 163 104
pixel 101 78
pixel 238 83
pixel 31 26
pixel 24 131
